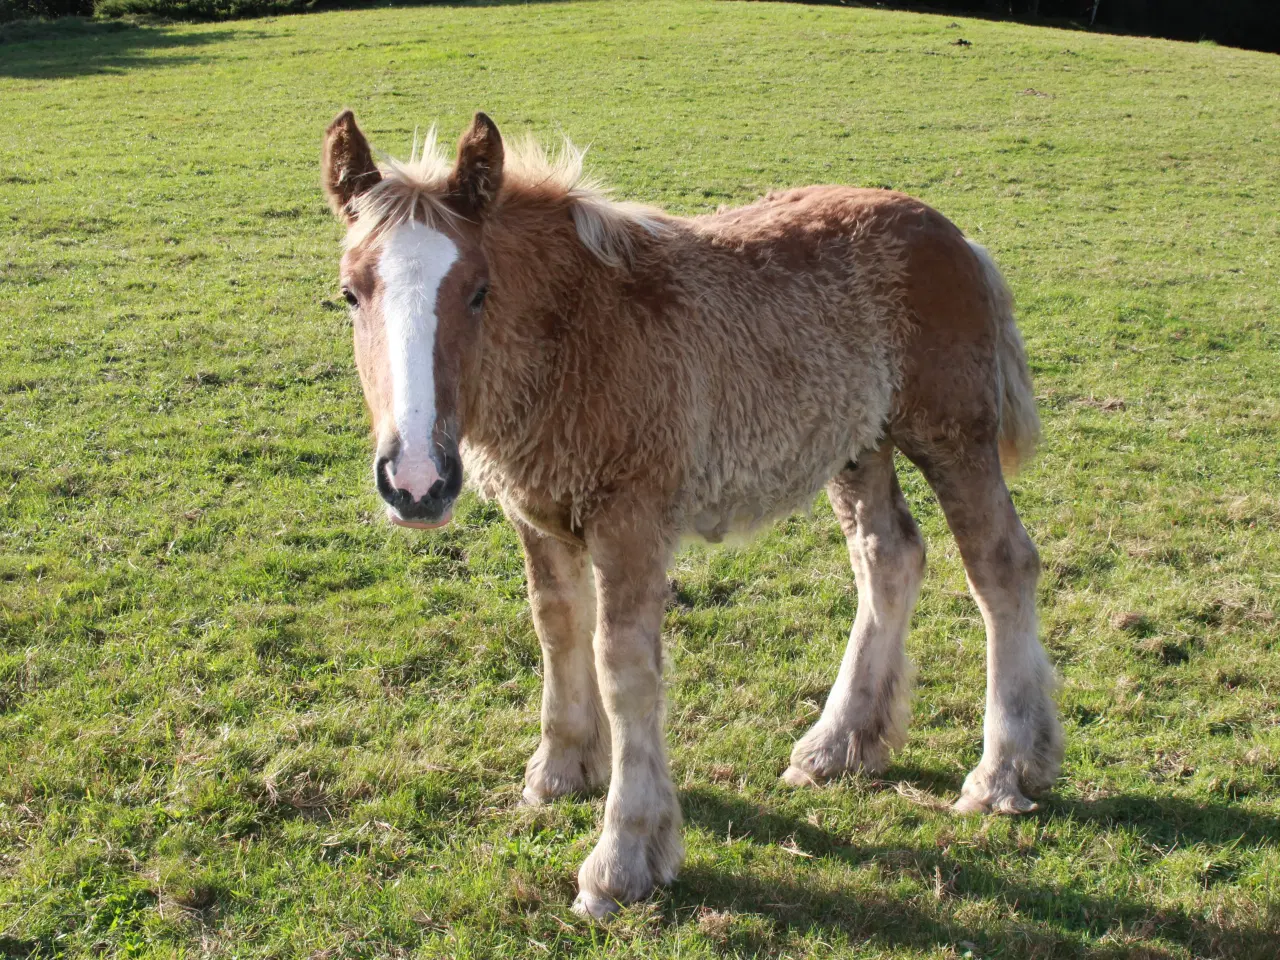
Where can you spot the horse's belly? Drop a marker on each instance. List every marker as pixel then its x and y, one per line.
pixel 742 495
pixel 784 418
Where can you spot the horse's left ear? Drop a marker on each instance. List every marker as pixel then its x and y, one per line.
pixel 346 166
pixel 477 176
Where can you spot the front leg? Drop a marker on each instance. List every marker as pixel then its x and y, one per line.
pixel 573 756
pixel 640 845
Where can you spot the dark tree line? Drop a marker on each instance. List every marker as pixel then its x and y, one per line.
pixel 1237 23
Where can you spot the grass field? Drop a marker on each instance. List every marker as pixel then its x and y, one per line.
pixel 241 716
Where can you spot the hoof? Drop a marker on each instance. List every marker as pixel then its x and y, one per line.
pixel 595 907
pixel 1011 804
pixel 997 790
pixel 1025 764
pixel 559 772
pixel 529 798
pixel 823 754
pixel 796 777
pixel 626 866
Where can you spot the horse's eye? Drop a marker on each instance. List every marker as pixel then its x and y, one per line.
pixel 477 298
pixel 351 298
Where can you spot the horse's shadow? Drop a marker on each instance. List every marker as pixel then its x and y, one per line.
pixel 1164 821
pixel 940 781
pixel 1036 919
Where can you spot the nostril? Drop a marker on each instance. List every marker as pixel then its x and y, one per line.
pixel 452 475
pixel 436 491
pixel 382 480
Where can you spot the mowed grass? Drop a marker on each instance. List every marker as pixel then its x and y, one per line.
pixel 241 716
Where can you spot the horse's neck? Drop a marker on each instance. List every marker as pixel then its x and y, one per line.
pixel 538 276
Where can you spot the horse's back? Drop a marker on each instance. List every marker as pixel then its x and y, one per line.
pixel 814 217
pixel 851 260
pixel 877 264
pixel 812 307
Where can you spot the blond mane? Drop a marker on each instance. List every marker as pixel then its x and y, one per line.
pixel 414 189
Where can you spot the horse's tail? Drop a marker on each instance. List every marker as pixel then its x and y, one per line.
pixel 1019 422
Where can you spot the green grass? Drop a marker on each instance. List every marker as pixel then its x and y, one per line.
pixel 240 716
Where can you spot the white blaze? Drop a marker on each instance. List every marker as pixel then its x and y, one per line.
pixel 415 259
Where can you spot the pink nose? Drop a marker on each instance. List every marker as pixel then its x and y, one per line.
pixel 414 475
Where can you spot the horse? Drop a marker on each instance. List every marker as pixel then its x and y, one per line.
pixel 620 380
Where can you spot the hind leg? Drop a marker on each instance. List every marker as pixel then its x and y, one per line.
pixel 573 756
pixel 1022 739
pixel 865 717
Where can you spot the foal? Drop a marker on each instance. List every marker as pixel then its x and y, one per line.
pixel 619 379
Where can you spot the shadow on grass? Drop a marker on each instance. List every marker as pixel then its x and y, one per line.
pixel 944 782
pixel 15 947
pixel 1165 821
pixel 1030 919
pixel 72 47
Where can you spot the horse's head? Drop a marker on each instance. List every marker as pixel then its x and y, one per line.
pixel 415 277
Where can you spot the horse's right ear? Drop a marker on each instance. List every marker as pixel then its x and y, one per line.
pixel 477 176
pixel 347 166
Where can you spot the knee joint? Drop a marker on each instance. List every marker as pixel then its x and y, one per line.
pixel 902 548
pixel 1018 555
pixel 628 653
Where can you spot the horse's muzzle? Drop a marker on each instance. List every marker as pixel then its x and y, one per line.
pixel 434 508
